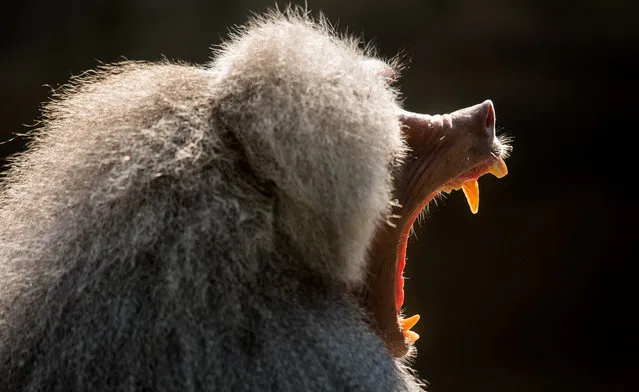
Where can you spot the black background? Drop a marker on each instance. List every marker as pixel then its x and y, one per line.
pixel 535 292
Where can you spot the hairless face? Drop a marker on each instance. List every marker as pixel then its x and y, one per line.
pixel 446 152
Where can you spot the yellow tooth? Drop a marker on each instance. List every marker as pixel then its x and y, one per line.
pixel 411 337
pixel 447 189
pixel 407 324
pixel 498 169
pixel 471 191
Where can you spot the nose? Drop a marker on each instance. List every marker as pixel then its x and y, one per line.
pixel 480 117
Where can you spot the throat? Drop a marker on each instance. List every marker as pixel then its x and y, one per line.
pixel 401 253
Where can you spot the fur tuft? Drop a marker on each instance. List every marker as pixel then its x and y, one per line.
pixel 328 106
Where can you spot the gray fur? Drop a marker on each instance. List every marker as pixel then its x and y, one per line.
pixel 184 228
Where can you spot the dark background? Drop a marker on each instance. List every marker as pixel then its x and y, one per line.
pixel 537 292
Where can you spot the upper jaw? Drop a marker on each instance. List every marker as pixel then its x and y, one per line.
pixel 446 152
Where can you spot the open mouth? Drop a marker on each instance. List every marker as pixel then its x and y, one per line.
pixel 446 153
pixel 468 183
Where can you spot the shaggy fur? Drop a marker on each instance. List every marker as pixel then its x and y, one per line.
pixel 184 228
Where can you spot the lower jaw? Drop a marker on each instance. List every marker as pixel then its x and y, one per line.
pixel 386 300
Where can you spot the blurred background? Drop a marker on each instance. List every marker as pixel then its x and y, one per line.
pixel 538 291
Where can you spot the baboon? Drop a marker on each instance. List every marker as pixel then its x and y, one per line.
pixel 236 226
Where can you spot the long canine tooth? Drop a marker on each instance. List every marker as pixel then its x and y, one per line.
pixel 411 337
pixel 407 324
pixel 471 191
pixel 498 169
